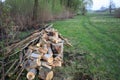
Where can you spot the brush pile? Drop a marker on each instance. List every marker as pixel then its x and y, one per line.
pixel 39 53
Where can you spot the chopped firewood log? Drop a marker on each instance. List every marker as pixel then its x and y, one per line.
pixel 32 64
pixel 42 47
pixel 31 74
pixel 45 36
pixel 45 74
pixel 48 58
pixel 41 50
pixel 56 34
pixel 54 39
pixel 57 63
pixel 33 48
pixel 57 48
pixel 35 55
pixel 58 58
pixel 50 52
pixel 49 76
pixel 45 64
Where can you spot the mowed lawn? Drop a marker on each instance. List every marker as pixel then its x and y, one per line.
pixel 95 37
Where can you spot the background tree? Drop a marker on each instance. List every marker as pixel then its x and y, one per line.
pixel 35 10
pixel 111 6
pixel 84 4
pixel 43 10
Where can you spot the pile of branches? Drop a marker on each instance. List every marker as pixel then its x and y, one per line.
pixel 36 55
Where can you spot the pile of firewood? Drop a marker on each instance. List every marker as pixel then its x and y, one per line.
pixel 39 53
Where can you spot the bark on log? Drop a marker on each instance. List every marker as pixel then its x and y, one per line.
pixel 45 74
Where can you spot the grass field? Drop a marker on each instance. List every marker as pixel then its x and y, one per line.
pixel 96 46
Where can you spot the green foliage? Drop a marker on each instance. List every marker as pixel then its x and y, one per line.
pixel 20 6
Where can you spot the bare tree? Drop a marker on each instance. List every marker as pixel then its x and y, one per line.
pixel 111 6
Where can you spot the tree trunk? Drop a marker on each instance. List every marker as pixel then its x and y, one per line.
pixel 83 10
pixel 110 9
pixel 35 11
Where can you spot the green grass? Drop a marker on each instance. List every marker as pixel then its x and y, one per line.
pixel 97 35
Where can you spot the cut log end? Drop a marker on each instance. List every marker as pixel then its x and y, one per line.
pixel 49 76
pixel 46 75
pixel 31 74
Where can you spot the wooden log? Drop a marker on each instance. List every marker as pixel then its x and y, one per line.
pixel 31 74
pixel 57 48
pixel 45 64
pixel 29 64
pixel 45 36
pixel 35 56
pixel 42 47
pixel 54 39
pixel 49 76
pixel 50 50
pixel 57 63
pixel 33 48
pixel 45 74
pixel 41 50
pixel 48 58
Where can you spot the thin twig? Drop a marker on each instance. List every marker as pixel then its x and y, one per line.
pixel 11 67
pixel 15 70
pixel 9 62
pixel 20 73
pixel 3 76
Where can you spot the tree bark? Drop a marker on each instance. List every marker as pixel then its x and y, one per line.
pixel 35 10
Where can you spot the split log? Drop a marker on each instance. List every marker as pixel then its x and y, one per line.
pixel 54 39
pixel 48 58
pixel 57 48
pixel 29 64
pixel 45 64
pixel 35 55
pixel 45 74
pixel 57 63
pixel 41 50
pixel 31 74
